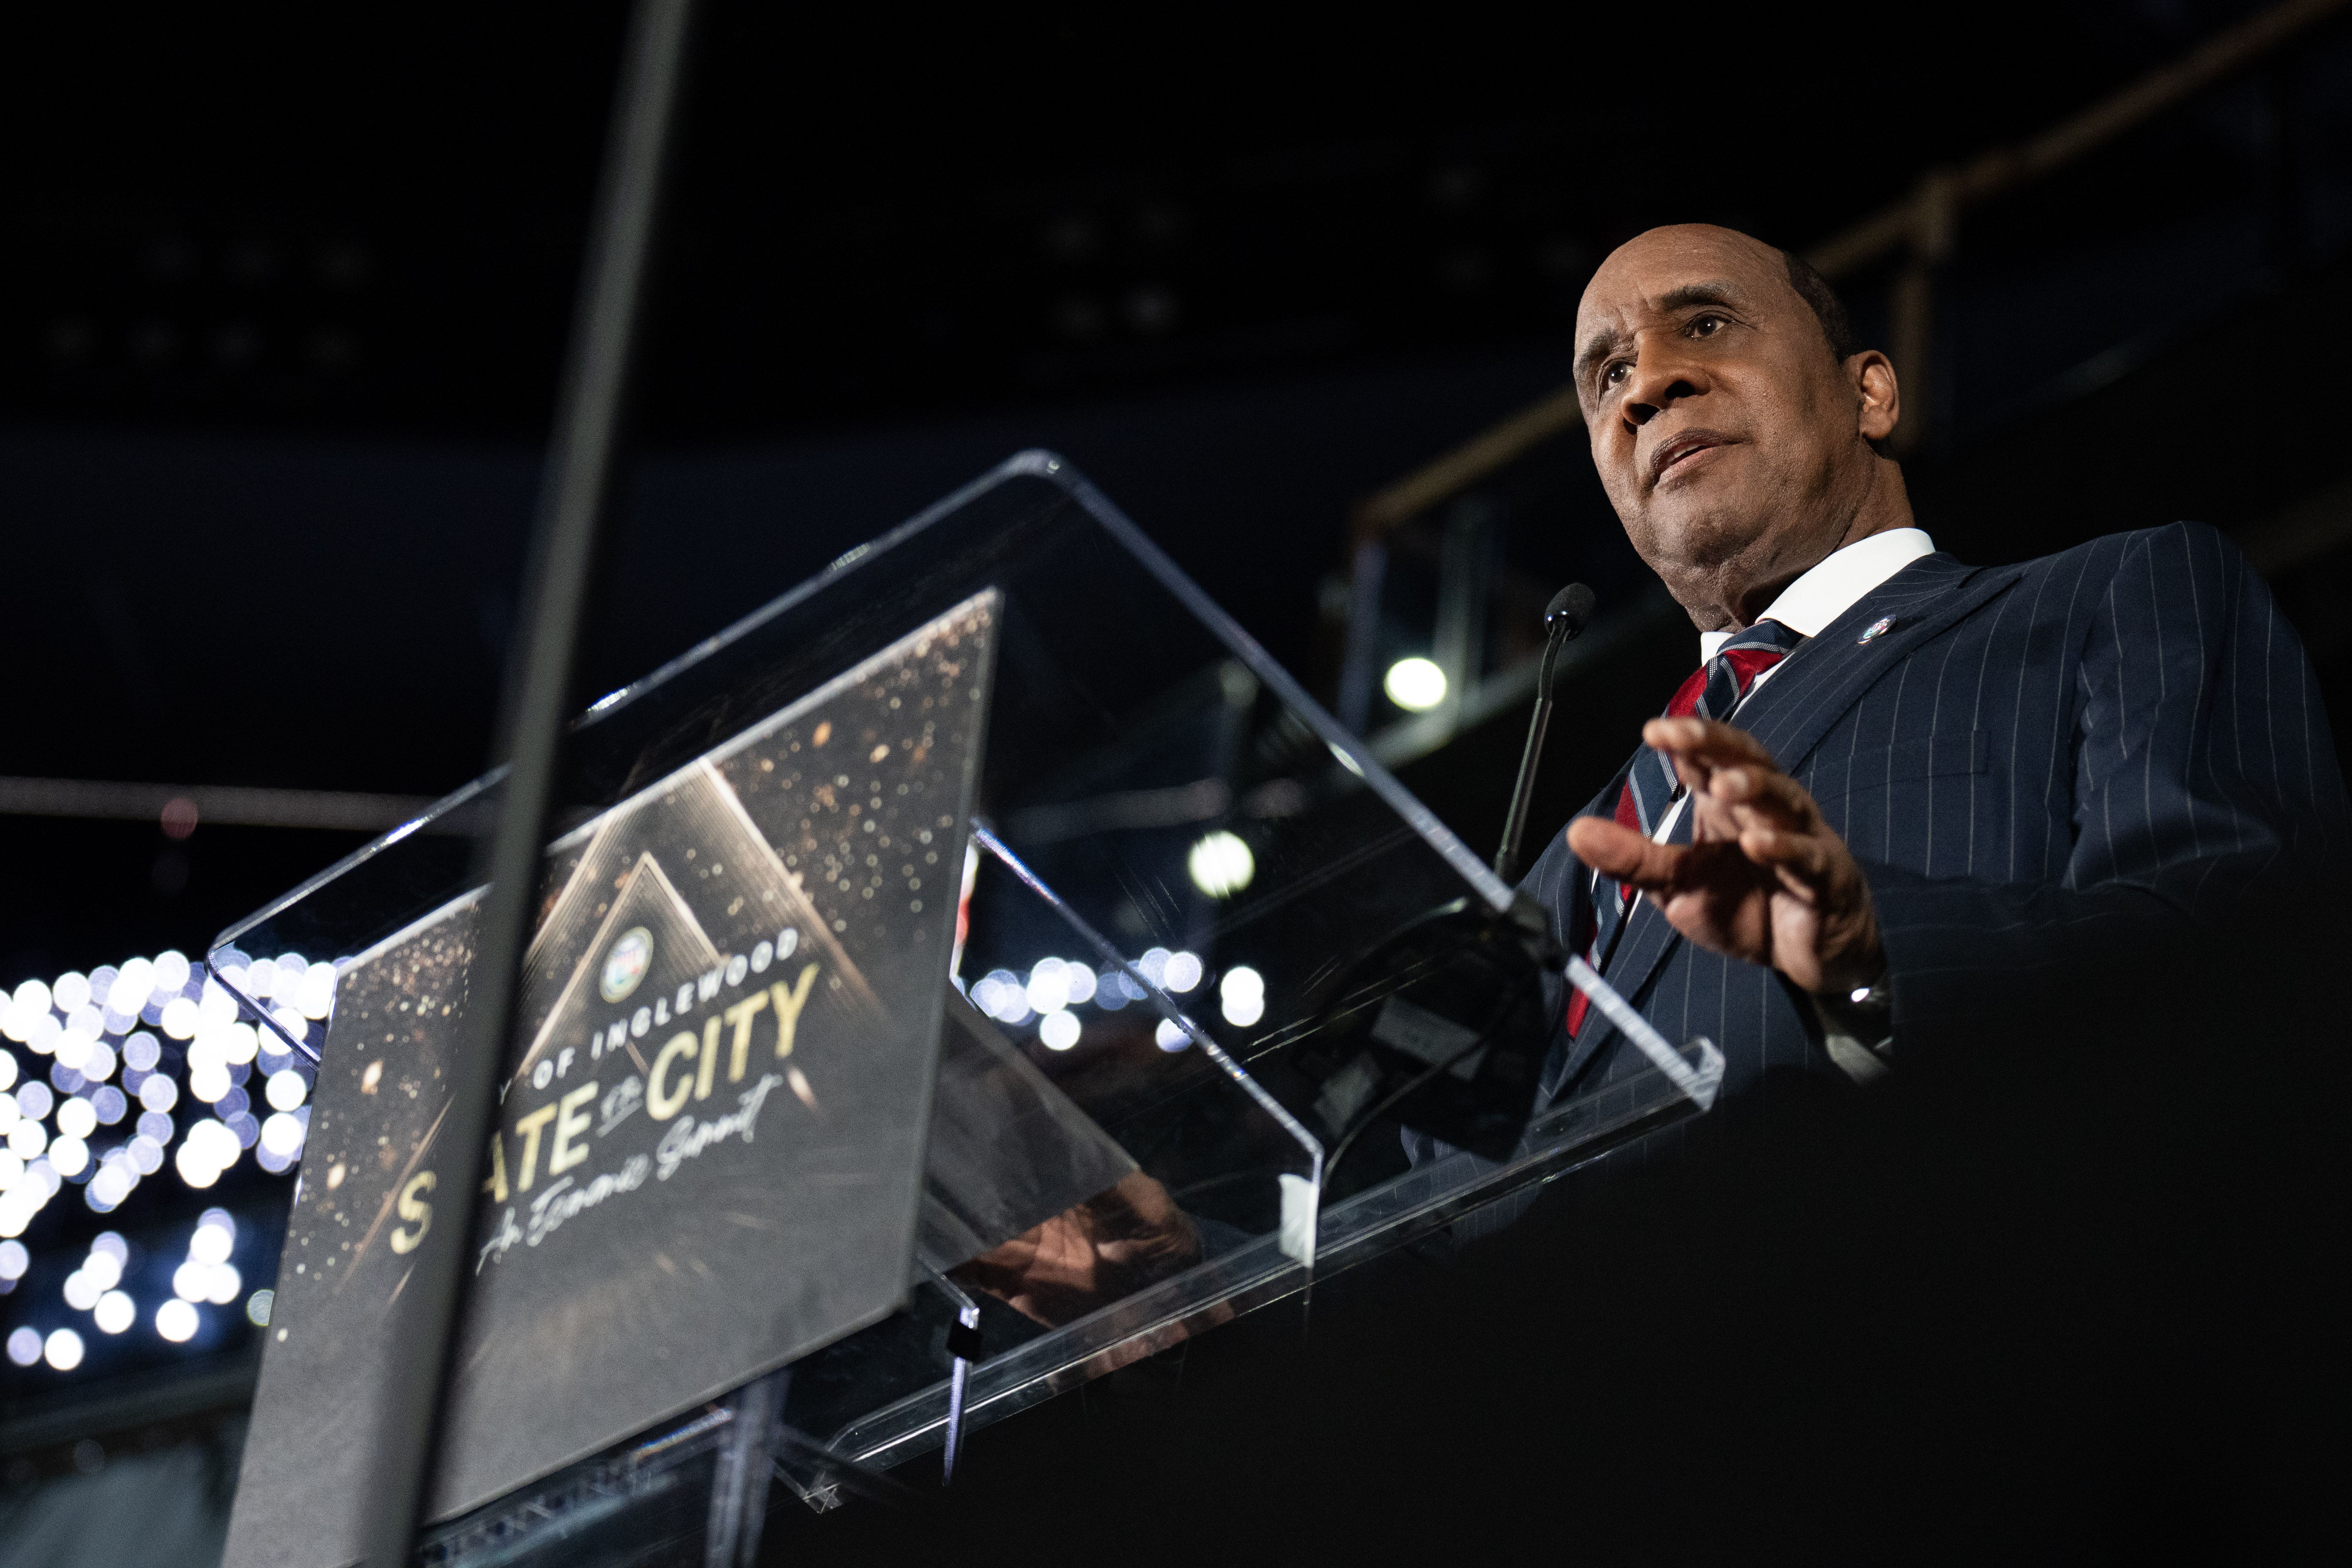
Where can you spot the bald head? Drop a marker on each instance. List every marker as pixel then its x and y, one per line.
pixel 1734 433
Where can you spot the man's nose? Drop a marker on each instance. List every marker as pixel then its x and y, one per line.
pixel 1661 377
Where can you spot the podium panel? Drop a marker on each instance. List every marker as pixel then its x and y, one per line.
pixel 1188 943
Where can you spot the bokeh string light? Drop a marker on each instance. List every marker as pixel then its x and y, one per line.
pixel 1049 998
pixel 106 1079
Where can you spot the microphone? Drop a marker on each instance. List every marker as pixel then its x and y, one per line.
pixel 1564 617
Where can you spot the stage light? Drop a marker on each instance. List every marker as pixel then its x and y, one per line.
pixel 190 1280
pixel 1221 865
pixel 1111 989
pixel 1153 964
pixel 159 1093
pixel 12 1168
pixel 70 991
pixel 171 972
pixel 7 1071
pixel 145 1152
pixel 35 1099
pixel 132 988
pixel 215 1237
pixel 103 1270
pixel 223 1285
pixel 986 992
pixel 1046 992
pixel 109 1104
pixel 69 1154
pixel 142 1051
pixel 180 1018
pixel 177 1322
pixel 81 1292
pixel 28 1140
pixel 216 1008
pixel 1170 1035
pixel 72 1047
pixel 1080 980
pixel 281 1135
pixel 112 1184
pixel 25 1346
pixel 1241 995
pixel 99 1064
pixel 77 1117
pixel 1181 972
pixel 192 1167
pixel 1415 685
pixel 1007 999
pixel 316 995
pixel 208 1080
pixel 285 1089
pixel 63 1349
pixel 1058 1030
pixel 9 1114
pixel 258 1306
pixel 18 1206
pixel 13 1260
pixel 115 1312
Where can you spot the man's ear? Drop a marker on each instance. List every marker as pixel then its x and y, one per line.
pixel 1872 376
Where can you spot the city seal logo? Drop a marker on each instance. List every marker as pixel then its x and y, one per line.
pixel 631 954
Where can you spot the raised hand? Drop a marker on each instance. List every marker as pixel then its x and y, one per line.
pixel 1763 878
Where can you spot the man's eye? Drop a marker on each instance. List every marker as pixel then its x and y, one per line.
pixel 1612 374
pixel 1705 326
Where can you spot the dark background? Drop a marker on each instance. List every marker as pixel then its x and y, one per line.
pixel 282 302
pixel 283 299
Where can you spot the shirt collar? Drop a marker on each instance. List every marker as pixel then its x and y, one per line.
pixel 1835 586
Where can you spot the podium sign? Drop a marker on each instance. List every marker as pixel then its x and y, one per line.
pixel 1202 946
pixel 710 1147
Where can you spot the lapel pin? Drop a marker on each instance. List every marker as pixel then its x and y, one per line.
pixel 1878 628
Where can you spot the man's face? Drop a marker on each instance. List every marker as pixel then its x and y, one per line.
pixel 1725 431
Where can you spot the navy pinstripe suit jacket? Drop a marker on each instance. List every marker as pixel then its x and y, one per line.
pixel 2059 778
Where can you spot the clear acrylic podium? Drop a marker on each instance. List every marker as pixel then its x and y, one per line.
pixel 1174 855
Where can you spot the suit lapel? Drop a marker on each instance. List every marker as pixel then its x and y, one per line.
pixel 1810 690
pixel 1831 672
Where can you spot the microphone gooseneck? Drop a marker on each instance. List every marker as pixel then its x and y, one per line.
pixel 1570 610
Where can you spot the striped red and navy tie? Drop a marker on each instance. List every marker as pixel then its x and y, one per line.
pixel 1713 692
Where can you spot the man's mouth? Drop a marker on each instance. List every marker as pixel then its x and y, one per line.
pixel 1680 448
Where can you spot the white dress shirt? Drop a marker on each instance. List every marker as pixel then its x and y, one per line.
pixel 1810 602
pixel 1832 587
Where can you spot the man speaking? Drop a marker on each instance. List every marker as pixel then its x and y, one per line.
pixel 2043 855
pixel 1903 800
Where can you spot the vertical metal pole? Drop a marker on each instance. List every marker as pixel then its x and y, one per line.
pixel 1465 565
pixel 1366 569
pixel 739 1486
pixel 574 500
pixel 1935 214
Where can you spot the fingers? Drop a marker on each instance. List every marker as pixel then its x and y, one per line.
pixel 1621 853
pixel 1734 769
pixel 1708 743
pixel 1761 798
pixel 1804 854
